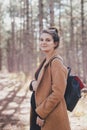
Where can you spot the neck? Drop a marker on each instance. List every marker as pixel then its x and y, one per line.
pixel 49 54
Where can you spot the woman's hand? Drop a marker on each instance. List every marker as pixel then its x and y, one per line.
pixel 34 85
pixel 39 121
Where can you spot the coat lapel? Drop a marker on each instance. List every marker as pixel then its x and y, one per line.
pixel 40 75
pixel 43 66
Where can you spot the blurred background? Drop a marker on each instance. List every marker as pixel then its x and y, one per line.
pixel 21 22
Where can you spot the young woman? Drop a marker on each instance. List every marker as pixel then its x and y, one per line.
pixel 48 107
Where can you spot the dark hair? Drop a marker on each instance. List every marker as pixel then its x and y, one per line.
pixel 54 33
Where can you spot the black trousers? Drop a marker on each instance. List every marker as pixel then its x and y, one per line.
pixel 33 125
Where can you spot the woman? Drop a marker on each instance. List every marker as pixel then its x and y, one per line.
pixel 48 107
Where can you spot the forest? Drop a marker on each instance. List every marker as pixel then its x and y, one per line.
pixel 20 25
pixel 21 22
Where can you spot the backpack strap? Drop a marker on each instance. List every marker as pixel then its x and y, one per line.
pixel 50 64
pixel 55 58
pixel 69 68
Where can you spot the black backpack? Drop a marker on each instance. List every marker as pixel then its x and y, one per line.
pixel 73 90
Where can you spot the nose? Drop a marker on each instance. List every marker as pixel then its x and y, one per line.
pixel 44 41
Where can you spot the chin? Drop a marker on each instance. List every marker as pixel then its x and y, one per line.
pixel 45 51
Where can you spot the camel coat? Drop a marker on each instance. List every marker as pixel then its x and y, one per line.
pixel 49 97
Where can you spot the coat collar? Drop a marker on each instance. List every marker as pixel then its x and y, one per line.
pixel 54 55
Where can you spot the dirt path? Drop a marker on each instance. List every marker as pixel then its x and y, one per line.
pixel 78 117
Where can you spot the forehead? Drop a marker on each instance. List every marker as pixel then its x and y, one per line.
pixel 46 35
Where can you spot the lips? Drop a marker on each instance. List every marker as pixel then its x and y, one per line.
pixel 43 46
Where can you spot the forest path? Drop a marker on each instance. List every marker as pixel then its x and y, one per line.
pixel 14 102
pixel 15 105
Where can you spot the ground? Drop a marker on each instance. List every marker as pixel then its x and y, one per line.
pixel 15 105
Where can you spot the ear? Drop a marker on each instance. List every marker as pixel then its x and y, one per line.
pixel 56 44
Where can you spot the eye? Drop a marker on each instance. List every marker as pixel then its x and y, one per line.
pixel 41 39
pixel 48 40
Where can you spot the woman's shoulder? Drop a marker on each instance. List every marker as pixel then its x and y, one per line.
pixel 58 61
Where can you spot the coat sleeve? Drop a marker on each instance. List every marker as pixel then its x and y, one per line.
pixel 59 78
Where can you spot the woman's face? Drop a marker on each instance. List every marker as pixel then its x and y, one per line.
pixel 46 42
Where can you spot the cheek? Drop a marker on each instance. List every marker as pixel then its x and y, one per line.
pixel 53 45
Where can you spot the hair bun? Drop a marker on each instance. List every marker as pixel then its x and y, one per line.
pixel 53 28
pixel 56 30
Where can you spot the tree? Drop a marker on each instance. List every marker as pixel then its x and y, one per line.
pixel 40 15
pixel 51 7
pixel 83 41
pixel 1 35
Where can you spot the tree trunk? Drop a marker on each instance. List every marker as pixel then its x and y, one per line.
pixel 40 15
pixel 83 44
pixel 9 56
pixel 72 44
pixel 0 59
pixel 51 7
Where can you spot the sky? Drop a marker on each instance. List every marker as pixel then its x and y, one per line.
pixel 5 2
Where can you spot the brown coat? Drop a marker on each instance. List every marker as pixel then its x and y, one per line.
pixel 49 97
